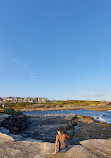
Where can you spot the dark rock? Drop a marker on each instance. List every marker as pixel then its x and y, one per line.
pixel 12 112
pixel 85 116
pixel 74 123
pixel 70 133
pixel 14 123
pixel 45 128
pixel 74 117
pixel 75 140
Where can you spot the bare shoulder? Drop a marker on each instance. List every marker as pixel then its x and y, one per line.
pixel 57 136
pixel 66 136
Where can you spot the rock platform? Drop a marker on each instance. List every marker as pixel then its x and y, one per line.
pixel 90 133
pixel 93 148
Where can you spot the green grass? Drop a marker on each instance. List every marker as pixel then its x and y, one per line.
pixel 57 104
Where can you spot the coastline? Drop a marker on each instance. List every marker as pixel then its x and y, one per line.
pixel 92 135
pixel 88 127
pixel 84 132
pixel 65 108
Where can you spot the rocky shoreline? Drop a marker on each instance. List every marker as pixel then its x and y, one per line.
pixel 41 129
pixel 93 148
pixel 44 127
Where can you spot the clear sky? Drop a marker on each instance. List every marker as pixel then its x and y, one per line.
pixel 58 49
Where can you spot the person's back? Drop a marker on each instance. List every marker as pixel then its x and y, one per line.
pixel 61 141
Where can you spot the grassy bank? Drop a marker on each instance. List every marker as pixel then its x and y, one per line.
pixel 70 104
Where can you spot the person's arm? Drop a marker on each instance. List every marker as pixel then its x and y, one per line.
pixel 56 144
pixel 67 136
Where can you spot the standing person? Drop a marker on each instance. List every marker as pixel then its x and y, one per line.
pixel 61 141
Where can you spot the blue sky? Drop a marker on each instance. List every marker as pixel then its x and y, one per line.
pixel 56 49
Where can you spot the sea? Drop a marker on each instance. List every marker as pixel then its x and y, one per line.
pixel 100 116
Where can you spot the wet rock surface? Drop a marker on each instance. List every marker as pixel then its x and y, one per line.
pixel 92 129
pixel 45 128
pixel 3 117
pixel 78 127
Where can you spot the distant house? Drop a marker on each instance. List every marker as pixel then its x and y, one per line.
pixel 40 100
pixel 43 100
pixel 9 100
pixel 26 99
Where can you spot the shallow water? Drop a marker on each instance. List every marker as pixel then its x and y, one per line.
pixel 102 116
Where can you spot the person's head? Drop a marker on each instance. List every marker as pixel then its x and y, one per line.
pixel 59 130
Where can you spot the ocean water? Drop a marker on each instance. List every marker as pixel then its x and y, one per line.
pixel 102 116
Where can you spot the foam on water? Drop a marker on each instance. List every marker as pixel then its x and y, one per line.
pixel 108 110
pixel 100 118
pixel 104 117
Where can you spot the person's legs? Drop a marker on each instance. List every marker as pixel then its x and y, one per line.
pixel 64 150
pixel 58 147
